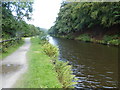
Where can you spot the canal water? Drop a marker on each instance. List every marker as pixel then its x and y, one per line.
pixel 95 65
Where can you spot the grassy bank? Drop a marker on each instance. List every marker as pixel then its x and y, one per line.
pixel 44 70
pixel 106 40
pixel 11 49
pixel 41 73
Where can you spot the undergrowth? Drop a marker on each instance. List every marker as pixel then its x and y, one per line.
pixel 9 50
pixel 44 68
pixel 64 71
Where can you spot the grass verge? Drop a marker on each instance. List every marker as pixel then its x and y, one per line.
pixel 41 72
pixel 63 69
pixel 106 40
pixel 10 50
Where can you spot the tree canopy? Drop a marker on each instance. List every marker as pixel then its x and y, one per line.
pixel 13 19
pixel 78 16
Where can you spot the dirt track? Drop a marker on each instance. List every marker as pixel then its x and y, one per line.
pixel 14 66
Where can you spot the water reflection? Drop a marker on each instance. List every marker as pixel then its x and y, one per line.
pixel 10 68
pixel 94 65
pixel 52 40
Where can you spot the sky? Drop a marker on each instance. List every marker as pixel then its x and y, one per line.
pixel 45 13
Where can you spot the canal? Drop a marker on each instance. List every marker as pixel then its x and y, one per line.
pixel 95 65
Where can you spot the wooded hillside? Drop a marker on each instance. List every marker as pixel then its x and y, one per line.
pixel 92 17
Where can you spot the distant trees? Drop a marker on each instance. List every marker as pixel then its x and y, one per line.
pixel 78 16
pixel 13 24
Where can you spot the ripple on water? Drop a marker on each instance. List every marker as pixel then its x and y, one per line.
pixel 108 77
pixel 109 72
pixel 94 65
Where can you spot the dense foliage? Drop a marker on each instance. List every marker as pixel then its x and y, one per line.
pixel 13 20
pixel 9 43
pixel 63 70
pixel 78 16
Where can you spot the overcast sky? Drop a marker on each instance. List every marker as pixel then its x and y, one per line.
pixel 45 12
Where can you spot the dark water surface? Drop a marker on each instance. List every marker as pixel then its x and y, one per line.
pixel 95 65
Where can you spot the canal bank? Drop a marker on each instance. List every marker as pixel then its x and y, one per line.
pixel 112 40
pixel 44 71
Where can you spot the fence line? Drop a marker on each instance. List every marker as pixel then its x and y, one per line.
pixel 8 43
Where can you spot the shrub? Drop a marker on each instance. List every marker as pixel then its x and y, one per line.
pixel 50 50
pixel 4 45
pixel 114 42
pixel 64 71
pixel 84 37
pixel 65 75
pixel 43 35
pixel 107 38
pixel 43 38
pixel 111 39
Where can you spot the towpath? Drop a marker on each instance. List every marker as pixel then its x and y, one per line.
pixel 14 66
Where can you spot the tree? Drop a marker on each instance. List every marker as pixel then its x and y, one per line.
pixel 13 15
pixel 81 16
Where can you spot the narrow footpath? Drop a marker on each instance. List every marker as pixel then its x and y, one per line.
pixel 14 65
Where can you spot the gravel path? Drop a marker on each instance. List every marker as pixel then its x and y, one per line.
pixel 14 65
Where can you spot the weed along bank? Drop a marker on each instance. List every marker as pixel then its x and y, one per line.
pixel 44 68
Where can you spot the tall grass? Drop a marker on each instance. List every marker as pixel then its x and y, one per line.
pixel 64 71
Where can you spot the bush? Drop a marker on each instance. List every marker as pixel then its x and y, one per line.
pixel 43 38
pixel 84 37
pixel 4 45
pixel 114 42
pixel 97 41
pixel 111 39
pixel 50 50
pixel 107 38
pixel 65 75
pixel 64 71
